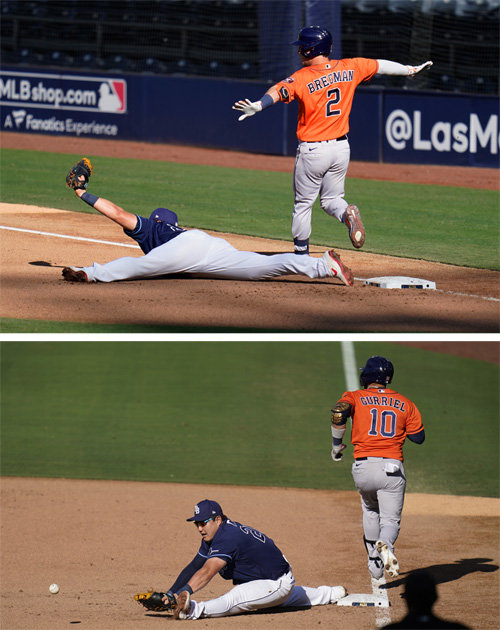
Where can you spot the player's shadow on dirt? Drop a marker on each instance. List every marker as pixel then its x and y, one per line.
pixel 450 572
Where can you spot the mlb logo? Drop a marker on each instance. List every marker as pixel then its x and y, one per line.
pixel 113 96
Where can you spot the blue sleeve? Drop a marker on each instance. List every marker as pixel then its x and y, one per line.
pixel 418 438
pixel 187 573
pixel 141 233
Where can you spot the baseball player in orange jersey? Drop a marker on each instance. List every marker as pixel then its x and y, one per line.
pixel 381 421
pixel 324 89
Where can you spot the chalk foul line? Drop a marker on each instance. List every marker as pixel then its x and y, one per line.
pixel 73 238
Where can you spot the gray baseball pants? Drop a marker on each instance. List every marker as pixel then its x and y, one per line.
pixel 320 169
pixel 382 496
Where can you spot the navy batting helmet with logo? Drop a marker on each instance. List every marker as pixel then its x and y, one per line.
pixel 313 41
pixel 377 370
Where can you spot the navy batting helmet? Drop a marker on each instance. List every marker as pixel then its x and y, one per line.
pixel 377 370
pixel 313 41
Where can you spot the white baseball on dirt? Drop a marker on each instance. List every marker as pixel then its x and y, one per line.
pixel 54 589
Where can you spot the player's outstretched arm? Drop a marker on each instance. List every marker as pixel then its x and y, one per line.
pixel 249 108
pixel 109 209
pixel 398 69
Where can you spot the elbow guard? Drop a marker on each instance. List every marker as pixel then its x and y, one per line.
pixel 341 413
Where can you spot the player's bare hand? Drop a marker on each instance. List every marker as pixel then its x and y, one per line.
pixel 248 108
pixel 413 70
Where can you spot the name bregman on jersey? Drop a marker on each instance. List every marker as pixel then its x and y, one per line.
pixel 383 401
pixel 329 79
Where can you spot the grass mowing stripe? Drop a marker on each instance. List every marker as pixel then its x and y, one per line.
pixel 248 413
pixel 438 223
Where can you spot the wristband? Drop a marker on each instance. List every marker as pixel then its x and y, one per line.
pixel 338 432
pixel 266 101
pixel 89 198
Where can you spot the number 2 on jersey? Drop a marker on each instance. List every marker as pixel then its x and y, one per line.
pixel 335 93
pixel 383 423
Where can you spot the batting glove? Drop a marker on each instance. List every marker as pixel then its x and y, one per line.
pixel 337 452
pixel 248 108
pixel 413 70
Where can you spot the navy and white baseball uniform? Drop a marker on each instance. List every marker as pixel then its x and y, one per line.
pixel 171 249
pixel 261 574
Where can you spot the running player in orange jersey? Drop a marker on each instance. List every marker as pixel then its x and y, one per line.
pixel 324 89
pixel 381 421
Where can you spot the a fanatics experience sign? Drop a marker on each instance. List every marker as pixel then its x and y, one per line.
pixel 63 104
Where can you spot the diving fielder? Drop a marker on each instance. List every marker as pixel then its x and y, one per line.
pixel 261 575
pixel 324 89
pixel 381 421
pixel 169 248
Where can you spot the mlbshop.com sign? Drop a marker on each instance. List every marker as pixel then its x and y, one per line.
pixel 54 103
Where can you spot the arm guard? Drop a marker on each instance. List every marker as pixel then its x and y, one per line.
pixel 341 413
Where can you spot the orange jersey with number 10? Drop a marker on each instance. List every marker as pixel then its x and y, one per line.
pixel 325 92
pixel 381 420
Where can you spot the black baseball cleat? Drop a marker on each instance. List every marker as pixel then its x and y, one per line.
pixel 355 226
pixel 73 274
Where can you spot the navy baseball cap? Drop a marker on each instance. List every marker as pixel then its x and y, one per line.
pixel 206 509
pixel 165 215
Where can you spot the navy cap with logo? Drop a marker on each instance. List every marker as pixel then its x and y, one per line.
pixel 206 509
pixel 165 215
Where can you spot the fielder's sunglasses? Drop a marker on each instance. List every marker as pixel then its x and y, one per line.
pixel 200 523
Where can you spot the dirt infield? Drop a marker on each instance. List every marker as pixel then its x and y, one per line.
pixel 103 541
pixel 466 300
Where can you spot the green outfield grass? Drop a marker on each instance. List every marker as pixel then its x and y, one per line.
pixel 244 413
pixel 436 223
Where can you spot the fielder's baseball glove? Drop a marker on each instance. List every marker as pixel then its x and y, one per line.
pixel 153 601
pixel 74 177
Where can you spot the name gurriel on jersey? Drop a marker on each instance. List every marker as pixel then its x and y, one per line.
pixel 383 401
pixel 329 79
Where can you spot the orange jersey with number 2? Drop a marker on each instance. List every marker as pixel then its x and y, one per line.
pixel 381 420
pixel 324 93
